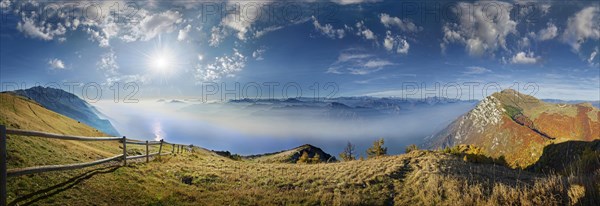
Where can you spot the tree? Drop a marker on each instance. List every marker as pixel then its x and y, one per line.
pixel 349 152
pixel 411 148
pixel 315 159
pixel 377 149
pixel 304 158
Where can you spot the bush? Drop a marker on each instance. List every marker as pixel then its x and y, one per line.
pixel 377 150
pixel 411 148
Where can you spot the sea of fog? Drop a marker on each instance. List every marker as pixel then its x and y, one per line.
pixel 223 126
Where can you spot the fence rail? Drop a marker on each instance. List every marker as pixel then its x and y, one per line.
pixel 5 173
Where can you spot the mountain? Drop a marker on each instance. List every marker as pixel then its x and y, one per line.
pixel 204 177
pixel 21 113
pixel 292 155
pixel 519 126
pixel 69 105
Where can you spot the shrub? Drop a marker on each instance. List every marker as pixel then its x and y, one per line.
pixel 411 148
pixel 377 149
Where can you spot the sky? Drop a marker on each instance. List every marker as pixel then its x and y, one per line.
pixel 130 50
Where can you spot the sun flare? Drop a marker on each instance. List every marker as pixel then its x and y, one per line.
pixel 162 61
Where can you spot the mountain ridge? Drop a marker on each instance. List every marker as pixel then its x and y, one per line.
pixel 69 105
pixel 519 126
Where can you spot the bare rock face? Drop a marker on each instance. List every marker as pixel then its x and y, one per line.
pixel 519 126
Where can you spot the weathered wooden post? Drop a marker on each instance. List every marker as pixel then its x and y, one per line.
pixel 192 148
pixel 124 151
pixel 147 153
pixel 160 148
pixel 173 146
pixel 3 153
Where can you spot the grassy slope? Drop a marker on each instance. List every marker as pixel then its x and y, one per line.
pixel 430 178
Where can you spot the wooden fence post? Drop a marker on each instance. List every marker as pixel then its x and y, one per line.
pixel 147 153
pixel 3 176
pixel 173 146
pixel 160 148
pixel 124 151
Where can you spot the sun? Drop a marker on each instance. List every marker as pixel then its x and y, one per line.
pixel 161 62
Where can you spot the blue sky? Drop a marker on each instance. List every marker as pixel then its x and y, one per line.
pixel 170 49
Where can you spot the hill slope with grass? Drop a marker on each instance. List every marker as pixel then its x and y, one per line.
pixel 518 127
pixel 205 178
pixel 68 104
pixel 293 155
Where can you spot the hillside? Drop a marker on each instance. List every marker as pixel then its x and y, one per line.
pixel 519 126
pixel 205 178
pixel 292 155
pixel 68 104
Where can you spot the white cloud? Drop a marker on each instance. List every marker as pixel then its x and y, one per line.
pixel 548 33
pixel 480 29
pixel 267 30
pixel 40 30
pixel 152 25
pixel 364 32
pixel 377 63
pixel 390 42
pixel 184 33
pixel 328 30
pixel 108 64
pixel 524 58
pixel 216 36
pixel 258 54
pixel 476 70
pixel 225 66
pixel 524 43
pixel 4 4
pixel 582 26
pixel 358 63
pixel 404 25
pixel 592 57
pixel 56 64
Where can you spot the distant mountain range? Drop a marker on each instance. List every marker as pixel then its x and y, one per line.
pixel 341 107
pixel 519 126
pixel 70 105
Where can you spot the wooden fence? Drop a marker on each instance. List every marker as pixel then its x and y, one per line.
pixel 5 172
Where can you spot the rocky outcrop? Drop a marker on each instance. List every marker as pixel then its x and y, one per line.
pixel 519 126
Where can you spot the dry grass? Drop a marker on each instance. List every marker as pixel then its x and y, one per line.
pixel 204 178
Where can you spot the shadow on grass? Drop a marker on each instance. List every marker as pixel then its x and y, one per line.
pixel 60 187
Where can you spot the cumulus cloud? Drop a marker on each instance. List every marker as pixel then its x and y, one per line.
pixel 480 29
pixel 404 25
pixel 548 33
pixel 328 30
pixel 258 54
pixel 217 36
pixel 184 33
pixel 152 25
pixel 364 32
pixel 108 64
pixel 224 66
pixel 40 30
pixel 396 42
pixel 524 58
pixel 56 64
pixel 582 26
pixel 4 4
